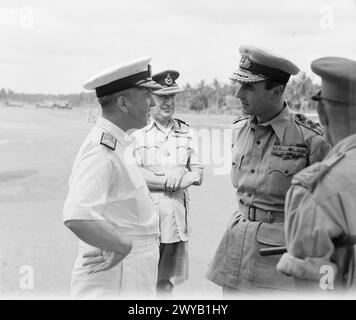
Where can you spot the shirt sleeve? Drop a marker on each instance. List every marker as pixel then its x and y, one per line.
pixel 194 159
pixel 89 186
pixel 310 228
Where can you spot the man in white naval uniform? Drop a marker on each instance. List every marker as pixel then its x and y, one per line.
pixel 109 207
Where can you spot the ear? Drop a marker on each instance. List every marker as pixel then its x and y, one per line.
pixel 323 116
pixel 122 103
pixel 276 92
pixel 152 101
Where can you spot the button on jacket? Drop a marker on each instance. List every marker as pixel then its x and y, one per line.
pixel 265 157
pixel 159 149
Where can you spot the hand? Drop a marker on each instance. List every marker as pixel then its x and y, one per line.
pixel 174 177
pixel 103 260
pixel 195 177
pixel 190 178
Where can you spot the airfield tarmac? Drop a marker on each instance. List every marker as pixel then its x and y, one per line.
pixel 37 150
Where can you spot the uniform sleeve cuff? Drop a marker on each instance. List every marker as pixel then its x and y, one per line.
pixel 199 166
pixel 308 269
pixel 81 214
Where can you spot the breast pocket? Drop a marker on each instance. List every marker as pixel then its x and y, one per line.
pixel 148 155
pixel 280 173
pixel 265 273
pixel 182 150
pixel 236 168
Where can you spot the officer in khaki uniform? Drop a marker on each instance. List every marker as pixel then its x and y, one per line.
pixel 320 205
pixel 166 151
pixel 271 143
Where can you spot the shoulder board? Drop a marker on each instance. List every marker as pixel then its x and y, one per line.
pixel 181 122
pixel 311 175
pixel 108 140
pixel 240 118
pixel 307 123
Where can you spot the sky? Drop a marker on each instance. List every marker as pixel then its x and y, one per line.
pixel 55 46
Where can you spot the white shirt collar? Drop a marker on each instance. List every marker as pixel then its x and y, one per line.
pixel 172 125
pixel 114 130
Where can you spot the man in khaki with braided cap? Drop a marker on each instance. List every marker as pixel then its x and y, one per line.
pixel 271 143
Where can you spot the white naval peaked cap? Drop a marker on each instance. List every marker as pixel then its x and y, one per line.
pixel 135 73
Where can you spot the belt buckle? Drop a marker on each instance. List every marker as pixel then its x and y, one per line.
pixel 270 217
pixel 251 213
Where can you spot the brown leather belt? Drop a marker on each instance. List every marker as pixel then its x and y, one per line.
pixel 253 213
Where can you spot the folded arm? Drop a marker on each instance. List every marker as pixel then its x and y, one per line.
pixel 174 179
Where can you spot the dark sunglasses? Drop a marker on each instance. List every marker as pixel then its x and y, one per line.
pixel 317 96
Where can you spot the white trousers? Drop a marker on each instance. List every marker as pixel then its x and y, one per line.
pixel 134 277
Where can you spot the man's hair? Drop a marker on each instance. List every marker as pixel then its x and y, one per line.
pixel 270 84
pixel 110 100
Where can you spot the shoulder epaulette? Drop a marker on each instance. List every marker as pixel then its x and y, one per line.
pixel 108 140
pixel 181 122
pixel 309 177
pixel 307 123
pixel 240 118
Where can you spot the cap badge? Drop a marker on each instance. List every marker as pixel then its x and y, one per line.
pixel 149 71
pixel 245 62
pixel 168 80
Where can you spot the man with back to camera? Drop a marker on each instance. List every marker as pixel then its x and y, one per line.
pixel 108 206
pixel 271 143
pixel 320 205
pixel 166 151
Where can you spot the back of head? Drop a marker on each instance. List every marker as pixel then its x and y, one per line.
pixel 109 101
pixel 338 77
pixel 338 93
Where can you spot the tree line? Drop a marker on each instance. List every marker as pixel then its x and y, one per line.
pixel 214 97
